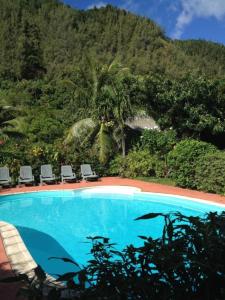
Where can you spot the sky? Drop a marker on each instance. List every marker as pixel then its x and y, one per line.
pixel 180 19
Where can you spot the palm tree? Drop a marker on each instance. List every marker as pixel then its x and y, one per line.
pixel 110 104
pixel 89 131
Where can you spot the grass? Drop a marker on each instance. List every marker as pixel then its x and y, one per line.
pixel 166 181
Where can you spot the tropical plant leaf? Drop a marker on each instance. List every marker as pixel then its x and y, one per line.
pixel 98 237
pixel 149 216
pixel 80 131
pixel 67 260
pixel 67 276
pixel 40 273
pixel 143 237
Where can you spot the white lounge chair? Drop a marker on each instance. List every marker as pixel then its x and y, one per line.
pixel 26 175
pixel 67 174
pixel 5 179
pixel 46 174
pixel 87 173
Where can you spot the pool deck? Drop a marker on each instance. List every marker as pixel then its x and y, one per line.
pixel 9 292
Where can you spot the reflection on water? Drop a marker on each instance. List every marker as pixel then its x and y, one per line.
pixel 46 201
pixel 26 202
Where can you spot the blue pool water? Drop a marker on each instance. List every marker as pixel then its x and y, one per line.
pixel 56 223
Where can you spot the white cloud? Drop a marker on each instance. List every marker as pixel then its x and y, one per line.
pixel 191 9
pixel 131 5
pixel 173 7
pixel 97 5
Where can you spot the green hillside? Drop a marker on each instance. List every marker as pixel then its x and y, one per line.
pixel 45 37
pixel 207 56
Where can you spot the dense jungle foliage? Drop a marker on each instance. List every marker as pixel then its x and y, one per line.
pixel 70 80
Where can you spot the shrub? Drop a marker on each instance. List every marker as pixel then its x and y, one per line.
pixel 160 142
pixel 210 173
pixel 137 163
pixel 117 166
pixel 183 158
pixel 16 154
pixel 12 156
pixel 140 163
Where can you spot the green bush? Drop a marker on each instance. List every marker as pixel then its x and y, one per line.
pixel 12 155
pixel 117 166
pixel 137 163
pixel 19 153
pixel 183 158
pixel 140 163
pixel 210 173
pixel 160 142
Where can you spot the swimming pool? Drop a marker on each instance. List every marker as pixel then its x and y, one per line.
pixel 56 223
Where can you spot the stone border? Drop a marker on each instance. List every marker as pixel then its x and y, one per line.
pixel 19 257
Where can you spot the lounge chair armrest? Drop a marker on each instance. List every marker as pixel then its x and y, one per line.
pixel 53 176
pixel 74 174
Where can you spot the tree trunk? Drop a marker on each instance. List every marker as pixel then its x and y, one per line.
pixel 123 143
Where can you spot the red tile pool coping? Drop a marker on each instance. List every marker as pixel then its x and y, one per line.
pixel 109 181
pixel 9 293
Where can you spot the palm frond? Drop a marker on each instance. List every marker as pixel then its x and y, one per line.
pixel 105 144
pixel 80 131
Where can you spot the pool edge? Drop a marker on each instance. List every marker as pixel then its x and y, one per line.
pixel 144 187
pixel 19 258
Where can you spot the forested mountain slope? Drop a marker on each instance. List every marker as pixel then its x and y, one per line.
pixel 45 37
pixel 207 56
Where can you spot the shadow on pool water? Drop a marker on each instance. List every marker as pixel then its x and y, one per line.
pixel 42 246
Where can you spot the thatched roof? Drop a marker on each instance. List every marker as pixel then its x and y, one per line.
pixel 142 122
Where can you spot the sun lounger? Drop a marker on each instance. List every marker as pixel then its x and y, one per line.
pixel 26 176
pixel 5 179
pixel 67 174
pixel 87 173
pixel 46 174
